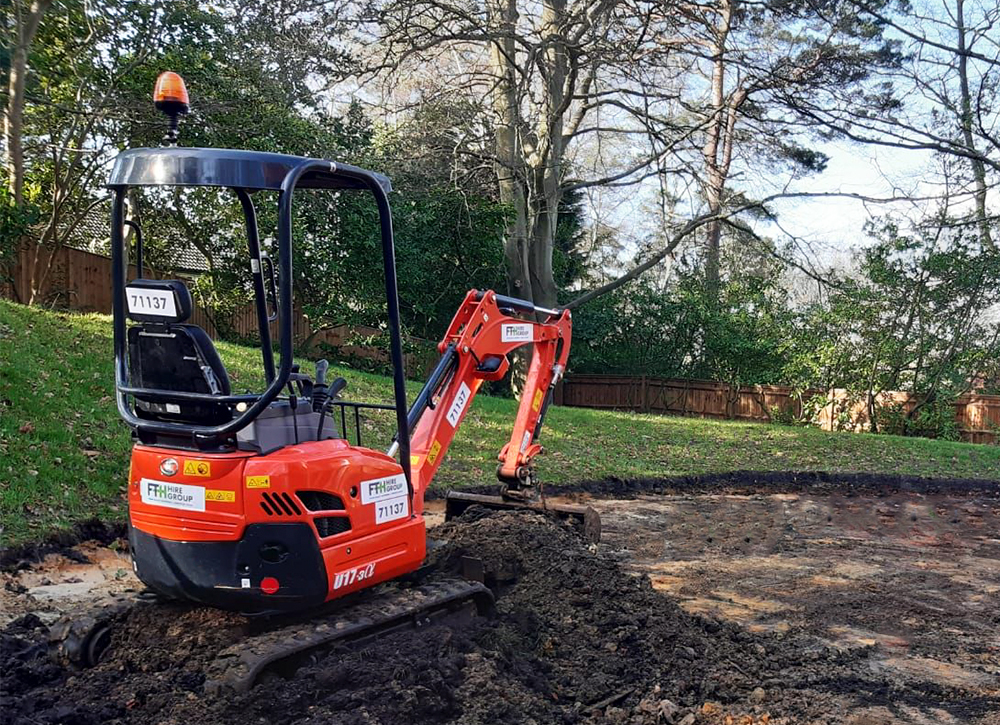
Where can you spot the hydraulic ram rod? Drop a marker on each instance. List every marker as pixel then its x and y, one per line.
pixel 518 305
pixel 426 397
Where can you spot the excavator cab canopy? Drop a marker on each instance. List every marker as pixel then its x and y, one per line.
pixel 179 393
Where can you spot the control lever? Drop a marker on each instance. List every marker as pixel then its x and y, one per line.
pixel 321 367
pixel 320 393
pixel 302 381
pixel 329 393
pixel 336 386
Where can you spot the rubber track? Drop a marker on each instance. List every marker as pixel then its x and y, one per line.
pixel 238 667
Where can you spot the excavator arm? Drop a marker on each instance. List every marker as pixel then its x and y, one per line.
pixel 485 330
pixel 475 349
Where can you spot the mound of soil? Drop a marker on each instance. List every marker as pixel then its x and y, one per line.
pixel 575 639
pixel 60 541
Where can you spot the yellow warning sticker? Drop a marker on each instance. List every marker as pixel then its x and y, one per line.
pixel 258 482
pixel 432 454
pixel 537 402
pixel 202 469
pixel 212 494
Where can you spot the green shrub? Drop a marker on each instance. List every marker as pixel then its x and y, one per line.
pixel 932 419
pixel 783 416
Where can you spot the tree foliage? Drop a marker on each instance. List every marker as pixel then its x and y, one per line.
pixel 740 337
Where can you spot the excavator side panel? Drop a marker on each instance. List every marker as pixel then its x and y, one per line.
pixel 292 529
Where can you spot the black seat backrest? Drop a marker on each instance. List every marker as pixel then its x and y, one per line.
pixel 166 353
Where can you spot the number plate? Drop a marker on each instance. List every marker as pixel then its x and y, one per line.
pixel 158 302
pixel 392 509
pixel 458 405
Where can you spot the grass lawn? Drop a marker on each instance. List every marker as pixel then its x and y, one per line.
pixel 64 451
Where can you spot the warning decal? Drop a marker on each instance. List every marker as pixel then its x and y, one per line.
pixel 203 469
pixel 432 454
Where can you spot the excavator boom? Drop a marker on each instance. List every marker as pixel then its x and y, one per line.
pixel 486 328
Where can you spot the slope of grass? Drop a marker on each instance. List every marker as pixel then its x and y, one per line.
pixel 64 451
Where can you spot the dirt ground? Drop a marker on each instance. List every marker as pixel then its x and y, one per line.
pixel 914 578
pixel 729 605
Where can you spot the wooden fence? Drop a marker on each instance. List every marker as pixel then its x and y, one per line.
pixel 977 416
pixel 80 280
pixel 700 398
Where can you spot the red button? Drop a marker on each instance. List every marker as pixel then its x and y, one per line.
pixel 269 585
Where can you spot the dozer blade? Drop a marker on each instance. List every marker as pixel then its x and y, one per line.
pixel 585 517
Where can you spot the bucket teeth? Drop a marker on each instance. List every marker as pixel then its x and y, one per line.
pixel 585 517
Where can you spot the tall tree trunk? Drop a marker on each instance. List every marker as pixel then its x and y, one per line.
pixel 26 25
pixel 713 244
pixel 978 168
pixel 502 20
pixel 543 283
pixel 510 163
pixel 547 158
pixel 717 144
pixel 529 171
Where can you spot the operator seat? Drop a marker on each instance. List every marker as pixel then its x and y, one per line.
pixel 167 353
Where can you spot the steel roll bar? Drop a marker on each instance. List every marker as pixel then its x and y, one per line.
pixel 277 380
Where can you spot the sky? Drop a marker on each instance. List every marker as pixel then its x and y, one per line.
pixel 830 229
pixel 833 226
pixel 836 225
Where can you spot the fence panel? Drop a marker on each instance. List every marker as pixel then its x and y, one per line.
pixel 978 416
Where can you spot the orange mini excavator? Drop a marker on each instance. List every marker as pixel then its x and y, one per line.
pixel 259 502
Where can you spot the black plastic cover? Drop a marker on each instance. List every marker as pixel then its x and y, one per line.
pixel 213 572
pixel 178 358
pixel 181 166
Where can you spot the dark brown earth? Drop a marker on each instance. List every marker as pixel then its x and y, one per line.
pixel 912 578
pixel 875 485
pixel 762 609
pixel 60 542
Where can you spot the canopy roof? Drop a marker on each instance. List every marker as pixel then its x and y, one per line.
pixel 180 166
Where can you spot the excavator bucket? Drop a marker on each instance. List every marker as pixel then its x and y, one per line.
pixel 584 518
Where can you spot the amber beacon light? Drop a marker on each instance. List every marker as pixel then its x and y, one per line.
pixel 171 97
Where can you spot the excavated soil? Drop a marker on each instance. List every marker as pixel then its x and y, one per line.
pixel 715 608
